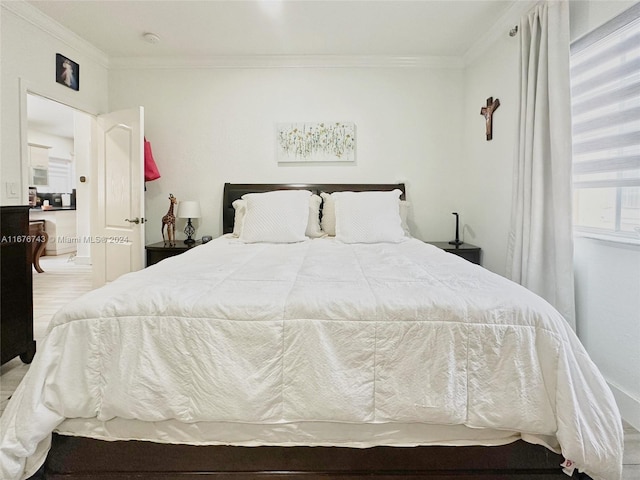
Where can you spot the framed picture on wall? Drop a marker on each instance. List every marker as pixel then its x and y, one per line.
pixel 67 72
pixel 316 142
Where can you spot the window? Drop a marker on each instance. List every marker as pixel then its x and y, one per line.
pixel 605 91
pixel 59 176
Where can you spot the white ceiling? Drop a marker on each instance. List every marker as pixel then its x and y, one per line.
pixel 189 28
pixel 237 28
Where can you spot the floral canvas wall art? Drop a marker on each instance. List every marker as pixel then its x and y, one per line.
pixel 316 142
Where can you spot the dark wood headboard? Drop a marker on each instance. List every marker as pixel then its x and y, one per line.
pixel 233 191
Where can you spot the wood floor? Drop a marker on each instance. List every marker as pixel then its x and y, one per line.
pixel 63 281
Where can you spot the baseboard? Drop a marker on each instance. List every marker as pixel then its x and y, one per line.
pixel 629 406
pixel 82 260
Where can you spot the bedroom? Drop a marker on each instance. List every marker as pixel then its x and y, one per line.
pixel 418 123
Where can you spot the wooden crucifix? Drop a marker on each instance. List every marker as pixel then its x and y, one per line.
pixel 487 113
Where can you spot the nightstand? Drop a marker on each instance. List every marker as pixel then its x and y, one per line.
pixel 466 250
pixel 161 250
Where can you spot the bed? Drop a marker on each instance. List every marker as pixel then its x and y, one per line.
pixel 354 356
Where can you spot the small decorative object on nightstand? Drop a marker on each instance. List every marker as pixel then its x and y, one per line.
pixel 457 241
pixel 170 221
pixel 189 209
pixel 465 250
pixel 161 250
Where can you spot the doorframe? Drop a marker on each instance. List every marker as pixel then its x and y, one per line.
pixel 27 88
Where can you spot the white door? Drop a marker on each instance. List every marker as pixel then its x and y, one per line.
pixel 117 223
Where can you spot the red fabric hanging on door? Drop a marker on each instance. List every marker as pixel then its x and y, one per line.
pixel 151 171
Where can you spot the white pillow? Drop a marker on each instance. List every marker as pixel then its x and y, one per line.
pixel 280 216
pixel 313 226
pixel 404 215
pixel 314 230
pixel 328 222
pixel 368 217
pixel 240 207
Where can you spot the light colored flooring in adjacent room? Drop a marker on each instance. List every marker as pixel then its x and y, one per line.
pixel 631 459
pixel 63 281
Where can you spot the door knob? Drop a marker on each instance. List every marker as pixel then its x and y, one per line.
pixel 135 220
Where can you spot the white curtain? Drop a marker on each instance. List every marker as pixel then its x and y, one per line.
pixel 540 247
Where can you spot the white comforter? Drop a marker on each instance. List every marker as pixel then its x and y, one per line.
pixel 316 332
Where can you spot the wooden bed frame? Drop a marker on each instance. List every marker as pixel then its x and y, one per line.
pixel 234 191
pixel 78 458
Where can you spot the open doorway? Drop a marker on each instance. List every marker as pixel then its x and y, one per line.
pixel 59 145
pixel 108 163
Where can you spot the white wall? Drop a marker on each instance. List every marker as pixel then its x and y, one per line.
pixel 608 313
pixel 28 52
pixel 209 126
pixel 607 274
pixel 488 167
pixel 61 147
pixel 588 15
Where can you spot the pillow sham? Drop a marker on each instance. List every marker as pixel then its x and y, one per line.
pixel 240 207
pixel 280 216
pixel 368 217
pixel 328 222
pixel 404 216
pixel 314 230
pixel 313 226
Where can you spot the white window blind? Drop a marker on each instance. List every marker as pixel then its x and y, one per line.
pixel 605 90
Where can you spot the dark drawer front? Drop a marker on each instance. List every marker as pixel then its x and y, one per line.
pixel 472 255
pixel 154 256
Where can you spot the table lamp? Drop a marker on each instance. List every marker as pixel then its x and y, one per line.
pixel 189 209
pixel 457 241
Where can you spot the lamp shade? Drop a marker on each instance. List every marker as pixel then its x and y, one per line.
pixel 189 209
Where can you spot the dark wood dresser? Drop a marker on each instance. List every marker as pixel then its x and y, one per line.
pixel 16 285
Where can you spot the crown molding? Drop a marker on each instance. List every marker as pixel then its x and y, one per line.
pixel 35 17
pixel 498 29
pixel 285 61
pixel 32 15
